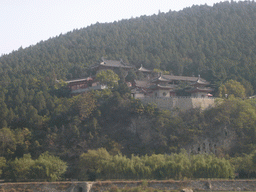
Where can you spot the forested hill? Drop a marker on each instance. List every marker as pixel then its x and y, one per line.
pixel 37 115
pixel 216 42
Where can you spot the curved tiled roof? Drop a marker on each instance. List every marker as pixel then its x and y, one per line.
pixel 144 84
pixel 114 64
pixel 157 86
pixel 180 78
pixel 143 69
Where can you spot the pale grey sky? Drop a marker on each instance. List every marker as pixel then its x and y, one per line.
pixel 27 22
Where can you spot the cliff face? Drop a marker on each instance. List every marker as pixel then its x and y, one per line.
pixel 219 140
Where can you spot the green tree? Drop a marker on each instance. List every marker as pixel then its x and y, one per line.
pixel 131 76
pixel 137 106
pixel 84 104
pixel 19 169
pixel 244 164
pixel 48 167
pixel 232 88
pixel 7 142
pixel 3 114
pixel 2 165
pixel 39 101
pixel 107 77
pixel 248 87
pixel 23 138
pixel 91 163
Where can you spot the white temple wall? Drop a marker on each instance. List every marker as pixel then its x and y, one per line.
pixel 162 93
pixel 182 103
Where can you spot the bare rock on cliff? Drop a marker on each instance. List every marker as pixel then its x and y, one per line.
pixel 186 190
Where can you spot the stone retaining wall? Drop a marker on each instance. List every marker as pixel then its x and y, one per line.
pixel 182 103
pixel 100 186
pixel 215 185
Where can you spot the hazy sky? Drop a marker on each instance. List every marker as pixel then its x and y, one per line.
pixel 27 22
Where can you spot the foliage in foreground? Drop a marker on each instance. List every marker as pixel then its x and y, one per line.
pixel 2 164
pixel 46 167
pixel 101 165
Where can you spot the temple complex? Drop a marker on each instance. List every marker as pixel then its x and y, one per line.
pixel 153 85
pixel 169 85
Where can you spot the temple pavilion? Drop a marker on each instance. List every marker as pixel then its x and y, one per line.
pixel 200 88
pixel 111 65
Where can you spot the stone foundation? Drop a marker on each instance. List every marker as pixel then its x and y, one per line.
pixel 181 103
pixel 100 186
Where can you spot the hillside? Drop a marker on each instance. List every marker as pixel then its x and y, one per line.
pixel 38 115
pixel 217 42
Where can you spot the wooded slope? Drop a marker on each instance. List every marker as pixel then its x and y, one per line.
pixel 37 114
pixel 217 42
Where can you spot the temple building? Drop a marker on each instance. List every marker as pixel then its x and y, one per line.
pixel 172 79
pixel 152 85
pixel 168 86
pixel 79 83
pixel 162 90
pixel 111 65
pixel 139 89
pixel 200 89
pixel 79 86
